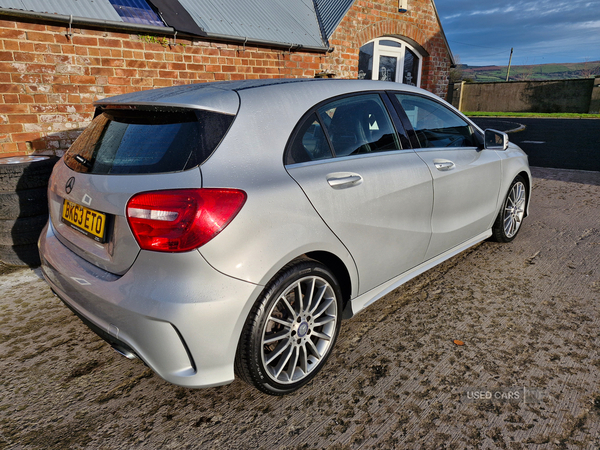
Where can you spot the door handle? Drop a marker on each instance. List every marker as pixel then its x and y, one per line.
pixel 443 164
pixel 343 180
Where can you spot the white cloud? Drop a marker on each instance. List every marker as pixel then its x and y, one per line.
pixel 485 13
pixel 482 32
pixel 588 25
pixel 453 16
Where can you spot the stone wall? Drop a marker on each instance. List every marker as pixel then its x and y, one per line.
pixel 560 96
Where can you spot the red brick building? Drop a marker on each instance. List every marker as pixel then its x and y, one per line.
pixel 53 65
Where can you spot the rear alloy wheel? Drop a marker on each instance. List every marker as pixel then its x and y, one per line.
pixel 509 220
pixel 291 329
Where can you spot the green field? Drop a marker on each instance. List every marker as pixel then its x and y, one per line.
pixel 537 72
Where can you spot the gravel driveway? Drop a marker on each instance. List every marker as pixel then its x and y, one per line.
pixel 526 312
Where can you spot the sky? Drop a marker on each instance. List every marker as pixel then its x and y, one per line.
pixel 482 32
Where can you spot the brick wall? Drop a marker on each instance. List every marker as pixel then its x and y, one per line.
pixel 367 20
pixel 48 80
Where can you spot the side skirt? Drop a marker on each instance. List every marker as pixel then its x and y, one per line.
pixel 359 303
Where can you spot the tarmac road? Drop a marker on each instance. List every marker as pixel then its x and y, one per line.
pixel 557 143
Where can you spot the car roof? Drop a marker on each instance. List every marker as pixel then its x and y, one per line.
pixel 223 96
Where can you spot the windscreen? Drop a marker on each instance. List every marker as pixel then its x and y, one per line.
pixel 133 141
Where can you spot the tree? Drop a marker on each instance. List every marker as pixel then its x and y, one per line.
pixel 590 69
pixel 457 74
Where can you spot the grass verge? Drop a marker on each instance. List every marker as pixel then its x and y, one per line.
pixel 539 115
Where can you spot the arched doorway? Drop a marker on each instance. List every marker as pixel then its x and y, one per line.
pixel 390 59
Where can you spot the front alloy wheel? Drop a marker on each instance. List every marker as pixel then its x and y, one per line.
pixel 291 330
pixel 509 220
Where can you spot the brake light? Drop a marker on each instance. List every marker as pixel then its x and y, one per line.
pixel 180 220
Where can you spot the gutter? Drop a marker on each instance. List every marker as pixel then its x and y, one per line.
pixel 266 43
pixel 140 28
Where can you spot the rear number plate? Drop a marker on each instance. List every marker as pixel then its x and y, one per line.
pixel 87 221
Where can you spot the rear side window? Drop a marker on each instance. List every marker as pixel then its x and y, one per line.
pixel 435 125
pixel 359 124
pixel 344 127
pixel 147 141
pixel 310 143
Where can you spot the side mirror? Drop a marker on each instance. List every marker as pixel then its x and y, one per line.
pixel 495 140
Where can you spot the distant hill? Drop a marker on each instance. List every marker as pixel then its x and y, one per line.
pixel 538 72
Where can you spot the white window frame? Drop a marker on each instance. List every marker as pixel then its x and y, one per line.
pixel 396 52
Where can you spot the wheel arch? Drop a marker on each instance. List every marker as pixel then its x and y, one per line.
pixel 527 177
pixel 339 269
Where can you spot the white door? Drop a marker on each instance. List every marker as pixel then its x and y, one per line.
pixel 389 66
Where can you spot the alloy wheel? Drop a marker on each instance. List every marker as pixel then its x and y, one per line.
pixel 514 209
pixel 299 330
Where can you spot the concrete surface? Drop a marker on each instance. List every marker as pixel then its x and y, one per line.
pixel 527 313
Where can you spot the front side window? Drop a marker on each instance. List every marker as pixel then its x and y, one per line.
pixel 348 126
pixel 435 125
pixel 389 59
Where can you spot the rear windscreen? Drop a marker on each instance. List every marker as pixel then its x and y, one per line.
pixel 147 141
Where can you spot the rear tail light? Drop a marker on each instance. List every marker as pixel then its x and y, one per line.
pixel 180 220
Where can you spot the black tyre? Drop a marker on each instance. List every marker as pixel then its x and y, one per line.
pixel 291 329
pixel 24 203
pixel 509 220
pixel 25 172
pixel 20 255
pixel 22 231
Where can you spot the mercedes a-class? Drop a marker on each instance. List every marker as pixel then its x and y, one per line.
pixel 224 228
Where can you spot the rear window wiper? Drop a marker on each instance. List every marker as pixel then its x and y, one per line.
pixel 83 161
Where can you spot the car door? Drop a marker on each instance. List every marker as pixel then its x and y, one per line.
pixel 375 196
pixel 466 177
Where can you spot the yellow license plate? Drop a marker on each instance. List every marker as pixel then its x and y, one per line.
pixel 87 221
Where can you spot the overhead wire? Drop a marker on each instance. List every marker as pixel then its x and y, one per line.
pixel 472 45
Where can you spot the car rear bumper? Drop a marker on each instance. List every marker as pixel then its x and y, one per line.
pixel 173 311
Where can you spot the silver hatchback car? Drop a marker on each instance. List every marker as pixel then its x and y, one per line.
pixel 228 228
